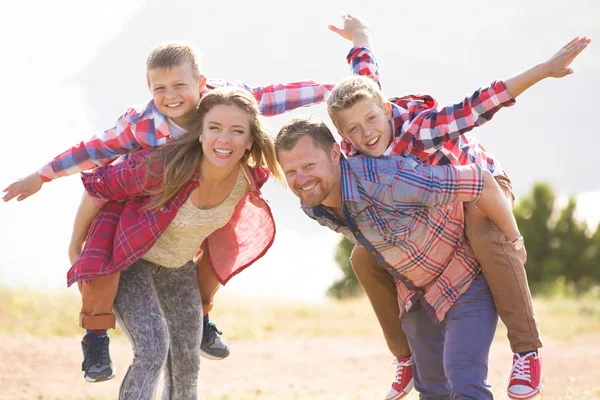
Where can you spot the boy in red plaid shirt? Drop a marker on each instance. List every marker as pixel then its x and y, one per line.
pixel 371 125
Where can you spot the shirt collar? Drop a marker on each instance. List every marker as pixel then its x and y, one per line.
pixel 161 125
pixel 396 112
pixel 348 183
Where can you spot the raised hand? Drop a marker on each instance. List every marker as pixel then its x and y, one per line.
pixel 354 29
pixel 557 66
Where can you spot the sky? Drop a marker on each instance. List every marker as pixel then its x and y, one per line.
pixel 71 68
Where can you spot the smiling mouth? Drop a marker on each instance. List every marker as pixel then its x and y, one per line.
pixel 174 105
pixel 307 188
pixel 373 141
pixel 223 152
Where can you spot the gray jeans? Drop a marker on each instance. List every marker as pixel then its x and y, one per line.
pixel 160 311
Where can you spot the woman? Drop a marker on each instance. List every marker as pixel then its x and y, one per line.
pixel 200 190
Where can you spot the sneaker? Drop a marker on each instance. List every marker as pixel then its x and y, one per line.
pixel 97 364
pixel 403 381
pixel 212 346
pixel 526 377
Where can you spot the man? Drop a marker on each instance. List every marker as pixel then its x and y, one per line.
pixel 391 206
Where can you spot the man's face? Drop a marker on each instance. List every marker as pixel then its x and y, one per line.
pixel 312 173
pixel 367 126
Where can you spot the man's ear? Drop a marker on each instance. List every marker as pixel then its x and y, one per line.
pixel 336 152
pixel 202 84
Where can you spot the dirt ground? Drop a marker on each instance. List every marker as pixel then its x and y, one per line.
pixel 284 368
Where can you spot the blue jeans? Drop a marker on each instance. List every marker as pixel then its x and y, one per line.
pixel 451 358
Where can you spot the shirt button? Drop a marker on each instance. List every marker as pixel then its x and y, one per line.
pixel 98 180
pixel 390 269
pixel 407 280
pixel 420 291
pixel 374 253
pixel 162 209
pixel 357 233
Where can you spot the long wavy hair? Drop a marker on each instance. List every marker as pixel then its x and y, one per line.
pixel 176 162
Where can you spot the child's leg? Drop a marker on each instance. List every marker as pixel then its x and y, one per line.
pixel 427 342
pixel 468 331
pixel 503 267
pixel 207 282
pixel 213 346
pixel 97 298
pixel 380 288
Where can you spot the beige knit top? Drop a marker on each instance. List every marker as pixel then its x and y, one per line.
pixel 182 239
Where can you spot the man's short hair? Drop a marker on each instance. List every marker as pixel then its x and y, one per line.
pixel 294 129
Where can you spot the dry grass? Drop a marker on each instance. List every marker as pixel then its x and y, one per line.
pixel 54 313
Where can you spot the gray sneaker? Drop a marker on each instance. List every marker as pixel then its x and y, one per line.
pixel 212 346
pixel 97 364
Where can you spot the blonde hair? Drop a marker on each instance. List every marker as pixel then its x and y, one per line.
pixel 180 158
pixel 349 91
pixel 171 55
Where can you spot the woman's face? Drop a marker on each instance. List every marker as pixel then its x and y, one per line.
pixel 225 135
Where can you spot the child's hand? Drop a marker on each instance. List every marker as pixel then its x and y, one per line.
pixel 75 248
pixel 558 65
pixel 24 187
pixel 355 29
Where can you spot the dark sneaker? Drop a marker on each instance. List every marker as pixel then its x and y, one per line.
pixel 97 364
pixel 212 346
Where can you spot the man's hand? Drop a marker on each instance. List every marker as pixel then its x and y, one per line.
pixel 355 29
pixel 558 65
pixel 23 187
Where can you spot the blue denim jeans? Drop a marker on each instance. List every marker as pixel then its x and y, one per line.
pixel 450 359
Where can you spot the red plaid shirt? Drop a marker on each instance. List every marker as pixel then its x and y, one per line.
pixel 123 232
pixel 436 135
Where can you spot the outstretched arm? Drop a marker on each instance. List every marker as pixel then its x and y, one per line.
pixel 556 66
pixel 97 151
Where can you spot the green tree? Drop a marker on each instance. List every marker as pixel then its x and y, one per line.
pixel 347 285
pixel 533 213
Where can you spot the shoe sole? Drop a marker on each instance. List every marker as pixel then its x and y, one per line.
pixel 537 396
pixel 98 380
pixel 211 357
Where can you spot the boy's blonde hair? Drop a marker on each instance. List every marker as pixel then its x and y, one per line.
pixel 173 54
pixel 180 158
pixel 351 90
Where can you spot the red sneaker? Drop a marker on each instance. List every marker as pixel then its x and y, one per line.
pixel 526 377
pixel 403 381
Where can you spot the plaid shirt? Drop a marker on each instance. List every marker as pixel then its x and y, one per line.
pixel 436 135
pixel 410 217
pixel 146 127
pixel 124 232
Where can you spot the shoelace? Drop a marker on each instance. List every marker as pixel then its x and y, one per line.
pixel 522 367
pixel 400 368
pixel 212 329
pixel 97 353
